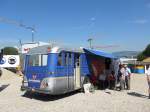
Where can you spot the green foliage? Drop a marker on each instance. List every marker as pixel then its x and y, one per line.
pixel 141 57
pixel 10 51
pixel 144 54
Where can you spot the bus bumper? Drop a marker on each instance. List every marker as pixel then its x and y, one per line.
pixel 23 88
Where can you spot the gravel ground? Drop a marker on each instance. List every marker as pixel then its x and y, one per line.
pixel 14 100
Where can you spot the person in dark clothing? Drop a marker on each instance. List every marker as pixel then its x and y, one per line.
pixel 111 80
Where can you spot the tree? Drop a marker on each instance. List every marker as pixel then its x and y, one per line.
pixel 10 51
pixel 141 57
pixel 144 54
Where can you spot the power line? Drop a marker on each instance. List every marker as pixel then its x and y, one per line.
pixel 16 23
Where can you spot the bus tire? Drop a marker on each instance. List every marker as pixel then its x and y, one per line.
pixel 1 73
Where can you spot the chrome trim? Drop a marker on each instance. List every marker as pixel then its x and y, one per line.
pixel 23 88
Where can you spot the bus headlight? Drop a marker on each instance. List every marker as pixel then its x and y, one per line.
pixel 46 83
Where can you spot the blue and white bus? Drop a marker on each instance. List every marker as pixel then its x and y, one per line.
pixel 55 70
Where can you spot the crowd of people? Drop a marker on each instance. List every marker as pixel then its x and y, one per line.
pixel 107 78
pixel 121 81
pixel 123 78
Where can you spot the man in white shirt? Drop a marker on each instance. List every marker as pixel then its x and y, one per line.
pixel 127 77
pixel 148 79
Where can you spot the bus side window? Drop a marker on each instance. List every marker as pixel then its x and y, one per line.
pixel 44 59
pixel 69 60
pixel 72 59
pixel 77 60
pixel 38 60
pixel 66 59
pixel 34 60
pixel 59 63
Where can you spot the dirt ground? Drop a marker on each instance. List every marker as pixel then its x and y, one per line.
pixel 14 100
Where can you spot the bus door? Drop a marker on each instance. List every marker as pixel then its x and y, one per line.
pixel 67 69
pixel 77 72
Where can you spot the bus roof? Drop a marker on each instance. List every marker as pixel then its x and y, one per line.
pixel 48 49
pixel 45 49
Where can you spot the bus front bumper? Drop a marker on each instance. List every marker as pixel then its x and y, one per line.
pixel 23 88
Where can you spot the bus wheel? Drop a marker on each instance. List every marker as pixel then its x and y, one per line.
pixel 1 73
pixel 28 94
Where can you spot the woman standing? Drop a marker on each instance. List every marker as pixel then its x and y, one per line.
pixel 148 80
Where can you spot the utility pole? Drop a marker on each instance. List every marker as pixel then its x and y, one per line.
pixel 90 42
pixel 33 31
pixel 32 36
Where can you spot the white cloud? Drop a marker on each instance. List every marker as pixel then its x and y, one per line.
pixel 93 19
pixel 148 5
pixel 140 21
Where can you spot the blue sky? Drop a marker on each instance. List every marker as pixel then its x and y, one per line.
pixel 124 23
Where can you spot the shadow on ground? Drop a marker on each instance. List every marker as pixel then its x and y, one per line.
pixel 45 97
pixel 137 94
pixel 3 87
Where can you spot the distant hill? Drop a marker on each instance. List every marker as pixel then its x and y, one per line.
pixel 127 54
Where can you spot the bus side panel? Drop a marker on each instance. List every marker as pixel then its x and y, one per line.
pixel 64 82
pixel 71 78
pixel 84 68
pixel 52 62
pixel 61 80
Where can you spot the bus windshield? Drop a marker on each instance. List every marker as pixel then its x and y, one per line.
pixel 38 60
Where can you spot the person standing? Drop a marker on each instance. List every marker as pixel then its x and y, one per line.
pixel 127 77
pixel 121 75
pixel 111 80
pixel 148 80
pixel 102 79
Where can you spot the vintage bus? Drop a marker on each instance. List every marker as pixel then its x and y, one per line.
pixel 55 70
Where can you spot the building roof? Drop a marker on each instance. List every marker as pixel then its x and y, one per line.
pixel 147 60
